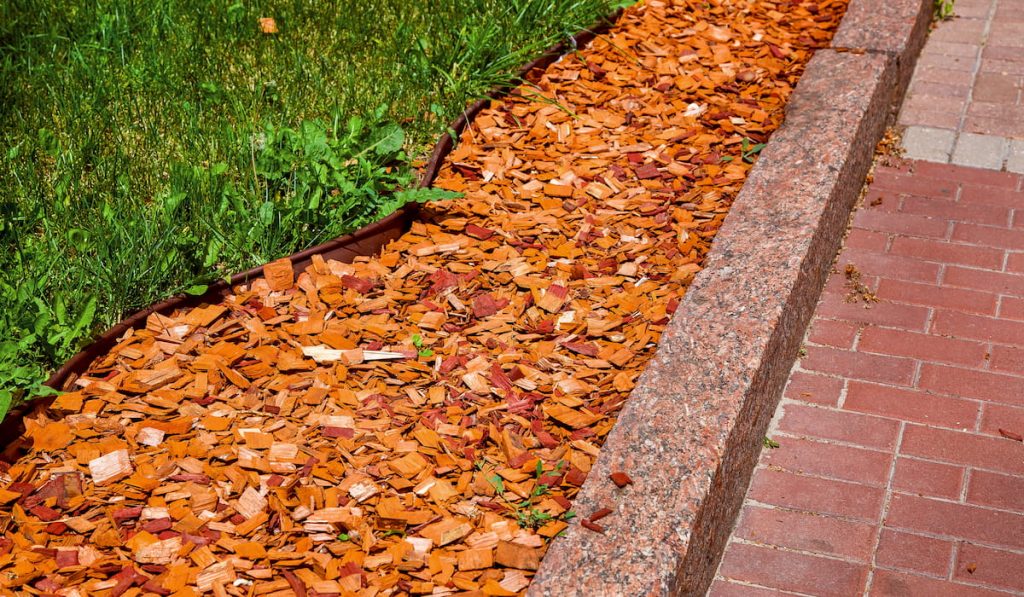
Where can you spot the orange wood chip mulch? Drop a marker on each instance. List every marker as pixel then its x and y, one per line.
pixel 418 423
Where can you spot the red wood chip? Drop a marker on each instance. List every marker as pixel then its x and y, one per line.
pixel 296 585
pixel 361 285
pixel 583 348
pixel 620 479
pixel 599 514
pixel 45 514
pixel 66 557
pixel 484 305
pixel 478 232
pixel 592 526
pixel 648 171
pixel 1011 435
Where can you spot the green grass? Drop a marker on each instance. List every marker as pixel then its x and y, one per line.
pixel 148 147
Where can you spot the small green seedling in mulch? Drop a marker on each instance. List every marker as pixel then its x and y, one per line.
pixel 539 469
pixel 527 514
pixel 542 488
pixel 770 443
pixel 750 150
pixel 344 537
pixel 498 484
pixel 417 341
pixel 532 518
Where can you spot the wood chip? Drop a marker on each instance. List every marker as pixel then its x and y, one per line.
pixel 592 526
pixel 1011 435
pixel 514 555
pixel 279 274
pixel 620 479
pixel 110 467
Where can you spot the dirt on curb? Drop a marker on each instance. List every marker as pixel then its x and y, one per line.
pixel 419 422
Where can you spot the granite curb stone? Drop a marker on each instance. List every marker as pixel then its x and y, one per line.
pixel 894 27
pixel 691 432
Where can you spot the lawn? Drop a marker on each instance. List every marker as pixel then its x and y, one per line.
pixel 149 147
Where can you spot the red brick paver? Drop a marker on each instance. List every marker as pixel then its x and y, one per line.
pixel 966 100
pixel 894 475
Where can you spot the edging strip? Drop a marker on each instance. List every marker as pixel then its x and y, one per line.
pixel 690 434
pixel 897 29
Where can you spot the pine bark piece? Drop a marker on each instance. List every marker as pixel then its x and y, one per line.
pixel 493 588
pixel 573 418
pixel 346 516
pixel 592 526
pixel 409 465
pixel 554 298
pixel 149 436
pixel 110 468
pixel 449 530
pixel 476 559
pixel 147 380
pixel 250 503
pixel 219 574
pixel 514 555
pixel 363 491
pixel 514 581
pixel 52 437
pixel 324 354
pixel 478 232
pixel 280 275
pixel 159 552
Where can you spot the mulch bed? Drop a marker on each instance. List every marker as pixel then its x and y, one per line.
pixel 419 422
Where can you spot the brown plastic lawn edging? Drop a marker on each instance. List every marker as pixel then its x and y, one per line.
pixel 365 241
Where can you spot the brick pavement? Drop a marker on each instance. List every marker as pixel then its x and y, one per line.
pixel 965 104
pixel 892 476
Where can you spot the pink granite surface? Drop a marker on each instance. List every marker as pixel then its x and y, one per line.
pixel 894 27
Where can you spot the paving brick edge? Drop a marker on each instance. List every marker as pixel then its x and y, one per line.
pixel 692 430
